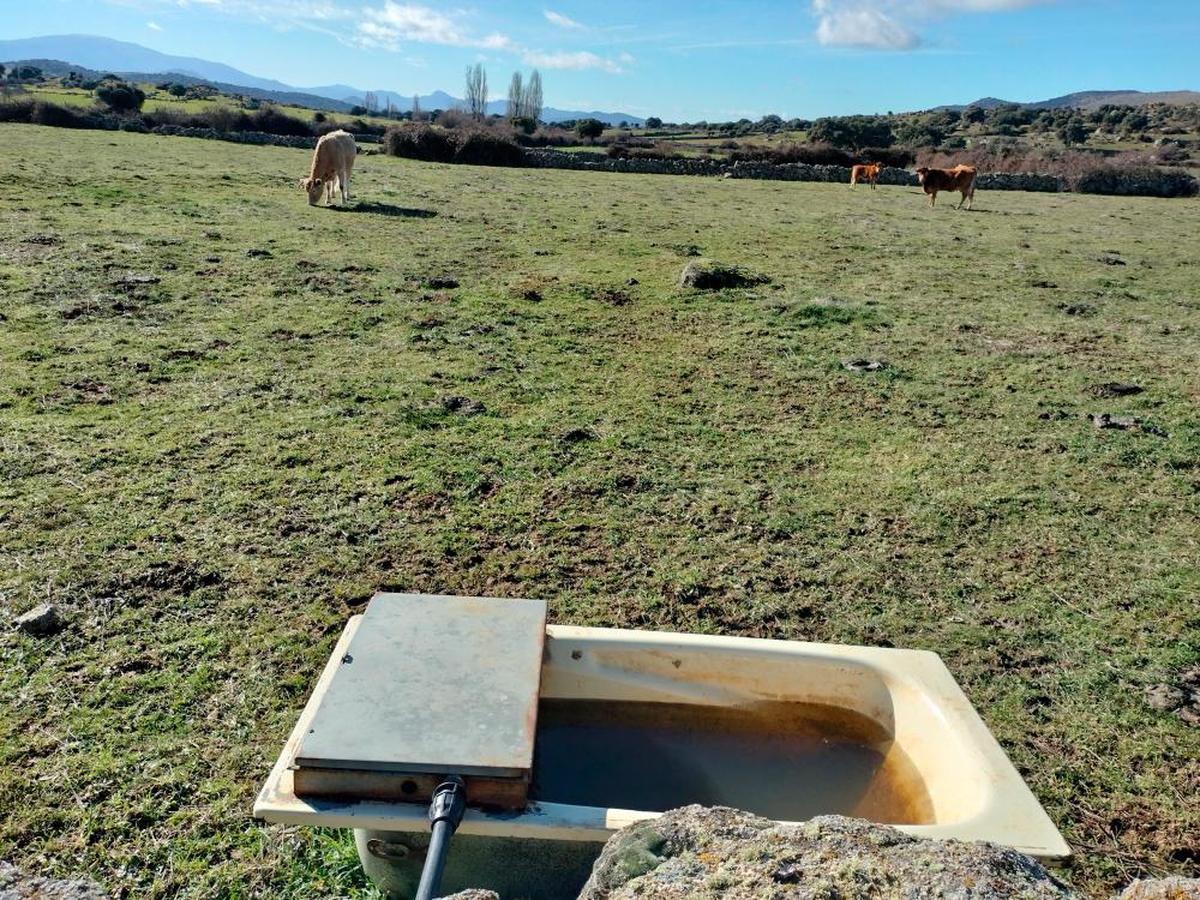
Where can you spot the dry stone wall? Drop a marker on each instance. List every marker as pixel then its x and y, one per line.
pixel 598 162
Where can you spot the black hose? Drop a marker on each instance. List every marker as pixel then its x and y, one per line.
pixel 445 813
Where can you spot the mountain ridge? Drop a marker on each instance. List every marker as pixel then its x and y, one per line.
pixel 129 59
pixel 1087 100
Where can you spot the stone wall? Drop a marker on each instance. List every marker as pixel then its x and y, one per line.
pixel 1146 183
pixel 599 162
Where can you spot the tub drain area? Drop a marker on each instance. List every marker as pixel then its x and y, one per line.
pixel 782 760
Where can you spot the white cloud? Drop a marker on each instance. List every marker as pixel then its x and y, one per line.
pixel 154 26
pixel 888 24
pixel 396 23
pixel 862 27
pixel 562 21
pixel 578 60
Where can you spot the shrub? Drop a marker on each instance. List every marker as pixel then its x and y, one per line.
pixel 853 131
pixel 120 96
pixel 486 148
pixel 177 89
pixel 424 142
pixel 39 112
pixel 431 143
pixel 589 129
pixel 16 110
pixel 453 118
pixel 525 124
pixel 550 136
pixel 895 157
pixel 177 117
pixel 272 121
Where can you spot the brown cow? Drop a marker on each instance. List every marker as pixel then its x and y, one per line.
pixel 870 172
pixel 960 178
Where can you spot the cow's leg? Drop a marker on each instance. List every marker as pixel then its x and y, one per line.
pixel 932 199
pixel 345 183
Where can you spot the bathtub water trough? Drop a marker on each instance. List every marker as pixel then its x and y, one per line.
pixel 621 726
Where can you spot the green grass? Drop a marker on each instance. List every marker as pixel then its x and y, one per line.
pixel 210 458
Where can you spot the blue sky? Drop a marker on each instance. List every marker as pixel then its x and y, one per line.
pixel 678 59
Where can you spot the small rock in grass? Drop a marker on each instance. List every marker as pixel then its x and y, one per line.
pixel 441 283
pixel 1114 389
pixel 707 275
pixel 1111 260
pixel 1108 420
pixel 1164 697
pixel 613 297
pixel 577 435
pixel 41 621
pixel 259 253
pixel 463 406
pixel 864 365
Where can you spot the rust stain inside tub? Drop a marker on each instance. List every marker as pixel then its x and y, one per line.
pixel 788 761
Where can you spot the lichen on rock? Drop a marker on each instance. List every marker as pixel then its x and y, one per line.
pixel 698 851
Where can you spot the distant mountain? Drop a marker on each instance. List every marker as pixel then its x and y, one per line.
pixel 123 58
pixel 107 55
pixel 1093 99
pixel 295 98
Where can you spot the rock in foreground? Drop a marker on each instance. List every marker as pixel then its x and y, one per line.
pixel 1163 889
pixel 16 886
pixel 700 852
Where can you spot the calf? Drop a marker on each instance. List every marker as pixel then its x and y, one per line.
pixel 332 161
pixel 870 172
pixel 960 178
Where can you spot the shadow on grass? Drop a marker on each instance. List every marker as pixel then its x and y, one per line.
pixel 385 209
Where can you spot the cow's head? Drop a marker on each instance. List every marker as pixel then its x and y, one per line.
pixel 313 187
pixel 921 173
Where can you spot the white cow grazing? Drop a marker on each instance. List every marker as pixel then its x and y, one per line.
pixel 332 161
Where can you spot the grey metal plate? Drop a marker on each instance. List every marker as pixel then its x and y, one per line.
pixel 434 684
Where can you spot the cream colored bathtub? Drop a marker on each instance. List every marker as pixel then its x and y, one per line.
pixel 973 790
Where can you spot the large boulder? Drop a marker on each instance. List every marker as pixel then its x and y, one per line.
pixel 700 852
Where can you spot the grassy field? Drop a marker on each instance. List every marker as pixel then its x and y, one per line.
pixel 226 418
